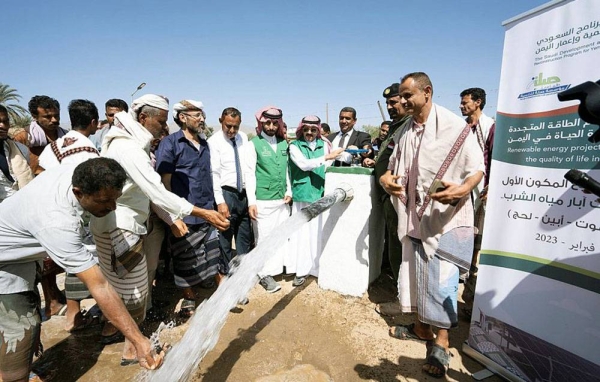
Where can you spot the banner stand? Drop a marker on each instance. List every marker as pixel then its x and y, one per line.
pixel 491 366
pixel 537 299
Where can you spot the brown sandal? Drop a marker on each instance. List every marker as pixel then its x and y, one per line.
pixel 407 332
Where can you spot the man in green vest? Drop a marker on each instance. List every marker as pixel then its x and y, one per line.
pixel 268 187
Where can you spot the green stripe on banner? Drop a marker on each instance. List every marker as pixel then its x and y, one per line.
pixel 356 170
pixel 565 273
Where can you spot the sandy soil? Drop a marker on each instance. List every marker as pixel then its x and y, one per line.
pixel 296 334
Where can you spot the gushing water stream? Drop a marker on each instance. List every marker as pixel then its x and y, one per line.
pixel 206 324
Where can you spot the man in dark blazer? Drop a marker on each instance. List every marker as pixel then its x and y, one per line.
pixel 349 138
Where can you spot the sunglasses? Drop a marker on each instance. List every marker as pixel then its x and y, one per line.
pixel 312 130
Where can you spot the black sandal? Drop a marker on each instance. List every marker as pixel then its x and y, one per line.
pixel 127 362
pixel 439 358
pixel 188 308
pixel 112 339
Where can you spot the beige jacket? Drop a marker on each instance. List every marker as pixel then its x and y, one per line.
pixel 18 164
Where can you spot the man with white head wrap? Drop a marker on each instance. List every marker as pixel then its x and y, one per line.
pixel 268 187
pixel 183 161
pixel 118 235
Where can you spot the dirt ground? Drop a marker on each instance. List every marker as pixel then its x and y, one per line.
pixel 296 334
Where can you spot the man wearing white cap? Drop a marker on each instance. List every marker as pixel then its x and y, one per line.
pixel 183 161
pixel 119 234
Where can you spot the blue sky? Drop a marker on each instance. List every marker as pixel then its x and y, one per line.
pixel 298 55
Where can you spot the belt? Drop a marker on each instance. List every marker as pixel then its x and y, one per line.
pixel 234 190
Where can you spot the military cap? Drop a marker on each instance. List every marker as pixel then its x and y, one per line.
pixel 392 90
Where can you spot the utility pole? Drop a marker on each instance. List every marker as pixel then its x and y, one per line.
pixel 140 86
pixel 381 110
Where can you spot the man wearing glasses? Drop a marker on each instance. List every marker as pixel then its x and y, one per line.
pixel 268 186
pixel 183 161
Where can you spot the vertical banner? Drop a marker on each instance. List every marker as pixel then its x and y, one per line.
pixel 536 315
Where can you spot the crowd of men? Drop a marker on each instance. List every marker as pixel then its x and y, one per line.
pixel 107 197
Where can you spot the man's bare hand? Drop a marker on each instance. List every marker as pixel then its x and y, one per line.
pixel 223 210
pixel 179 228
pixel 368 153
pixel 389 182
pixel 253 212
pixel 484 194
pixel 147 356
pixel 452 194
pixel 334 153
pixel 368 162
pixel 287 199
pixel 217 220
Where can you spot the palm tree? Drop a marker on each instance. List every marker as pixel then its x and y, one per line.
pixel 21 121
pixel 7 94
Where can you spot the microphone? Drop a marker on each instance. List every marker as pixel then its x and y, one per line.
pixel 588 93
pixel 582 180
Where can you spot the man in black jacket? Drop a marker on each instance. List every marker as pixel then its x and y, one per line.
pixel 349 138
pixel 394 248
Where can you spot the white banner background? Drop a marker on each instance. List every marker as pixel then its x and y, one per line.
pixel 537 304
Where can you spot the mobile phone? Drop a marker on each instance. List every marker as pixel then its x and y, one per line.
pixel 436 186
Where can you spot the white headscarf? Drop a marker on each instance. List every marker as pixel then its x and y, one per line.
pixel 153 100
pixel 187 105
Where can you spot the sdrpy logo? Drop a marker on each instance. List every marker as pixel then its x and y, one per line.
pixel 543 86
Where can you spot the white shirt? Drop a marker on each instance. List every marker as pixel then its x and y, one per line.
pixel 344 156
pixel 49 160
pixel 251 170
pixel 130 149
pixel 222 162
pixel 7 188
pixel 42 218
pixel 484 123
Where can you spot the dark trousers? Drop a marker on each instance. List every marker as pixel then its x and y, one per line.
pixel 240 227
pixel 394 248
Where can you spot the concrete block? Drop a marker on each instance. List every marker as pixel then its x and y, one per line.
pixel 353 234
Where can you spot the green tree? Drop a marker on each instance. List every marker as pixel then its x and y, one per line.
pixel 209 131
pixel 7 95
pixel 373 131
pixel 21 121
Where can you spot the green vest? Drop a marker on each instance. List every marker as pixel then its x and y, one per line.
pixel 271 168
pixel 308 186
